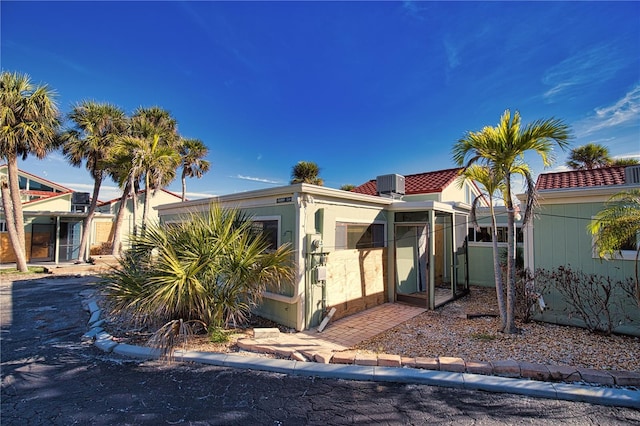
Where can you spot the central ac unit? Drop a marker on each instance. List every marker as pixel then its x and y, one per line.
pixel 390 184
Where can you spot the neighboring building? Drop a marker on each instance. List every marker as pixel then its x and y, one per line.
pixel 558 234
pixel 161 196
pixel 53 218
pixel 358 249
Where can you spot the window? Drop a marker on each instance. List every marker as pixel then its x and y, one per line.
pixel 268 228
pixel 483 234
pixel 627 250
pixel 3 226
pixel 359 236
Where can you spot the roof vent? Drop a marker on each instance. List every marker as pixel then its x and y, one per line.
pixel 632 175
pixel 391 185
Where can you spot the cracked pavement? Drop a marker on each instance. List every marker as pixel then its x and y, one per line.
pixel 51 377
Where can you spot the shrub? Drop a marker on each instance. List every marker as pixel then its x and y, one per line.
pixel 208 270
pixel 599 301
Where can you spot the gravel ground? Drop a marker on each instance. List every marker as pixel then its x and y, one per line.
pixel 444 332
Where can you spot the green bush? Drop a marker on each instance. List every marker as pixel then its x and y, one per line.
pixel 209 269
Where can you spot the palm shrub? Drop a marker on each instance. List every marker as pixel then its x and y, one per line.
pixel 209 270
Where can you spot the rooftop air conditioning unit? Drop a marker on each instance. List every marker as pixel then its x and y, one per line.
pixel 390 185
pixel 632 175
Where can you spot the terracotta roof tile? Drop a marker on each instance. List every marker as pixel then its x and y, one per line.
pixel 605 176
pixel 421 183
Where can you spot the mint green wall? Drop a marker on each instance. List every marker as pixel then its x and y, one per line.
pixel 561 238
pixel 481 266
pixel 280 312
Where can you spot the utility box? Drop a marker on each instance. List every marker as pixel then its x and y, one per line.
pixel 321 273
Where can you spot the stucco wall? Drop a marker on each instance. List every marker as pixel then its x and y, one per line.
pixel 356 280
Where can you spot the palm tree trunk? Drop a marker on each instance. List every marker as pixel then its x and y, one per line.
pixel 511 262
pixel 497 272
pixel 184 185
pixel 14 189
pixel 115 241
pixel 21 261
pixel 134 205
pixel 147 203
pixel 86 225
pixel 17 218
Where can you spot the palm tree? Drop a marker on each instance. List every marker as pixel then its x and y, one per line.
pixel 29 120
pixel 618 224
pixel 589 156
pixel 625 162
pixel 492 184
pixel 192 152
pixel 210 269
pixel 97 128
pixel 502 149
pixel 155 155
pixel 306 172
pixel 121 172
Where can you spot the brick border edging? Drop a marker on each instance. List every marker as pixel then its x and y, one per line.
pixel 503 368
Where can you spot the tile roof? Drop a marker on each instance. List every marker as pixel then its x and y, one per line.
pixel 421 183
pixel 604 176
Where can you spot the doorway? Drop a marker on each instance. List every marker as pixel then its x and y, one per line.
pixel 412 263
pixel 42 242
pixel 70 233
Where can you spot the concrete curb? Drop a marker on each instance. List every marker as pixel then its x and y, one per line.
pixel 563 391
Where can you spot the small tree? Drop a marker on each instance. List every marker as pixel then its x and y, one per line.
pixel 347 187
pixel 617 226
pixel 502 148
pixel 192 153
pixel 493 185
pixel 306 172
pixel 589 156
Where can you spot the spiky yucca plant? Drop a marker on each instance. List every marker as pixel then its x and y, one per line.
pixel 210 270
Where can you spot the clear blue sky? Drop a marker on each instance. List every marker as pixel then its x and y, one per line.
pixel 361 88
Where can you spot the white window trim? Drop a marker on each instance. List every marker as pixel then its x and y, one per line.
pixel 620 255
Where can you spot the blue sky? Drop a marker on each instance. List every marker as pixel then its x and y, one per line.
pixel 361 88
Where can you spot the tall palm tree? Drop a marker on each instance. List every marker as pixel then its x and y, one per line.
pixel 29 120
pixel 502 149
pixel 493 185
pixel 121 172
pixel 192 152
pixel 155 155
pixel 589 156
pixel 306 172
pixel 97 128
pixel 616 225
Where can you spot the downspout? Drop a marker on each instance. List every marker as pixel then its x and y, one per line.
pixel 300 263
